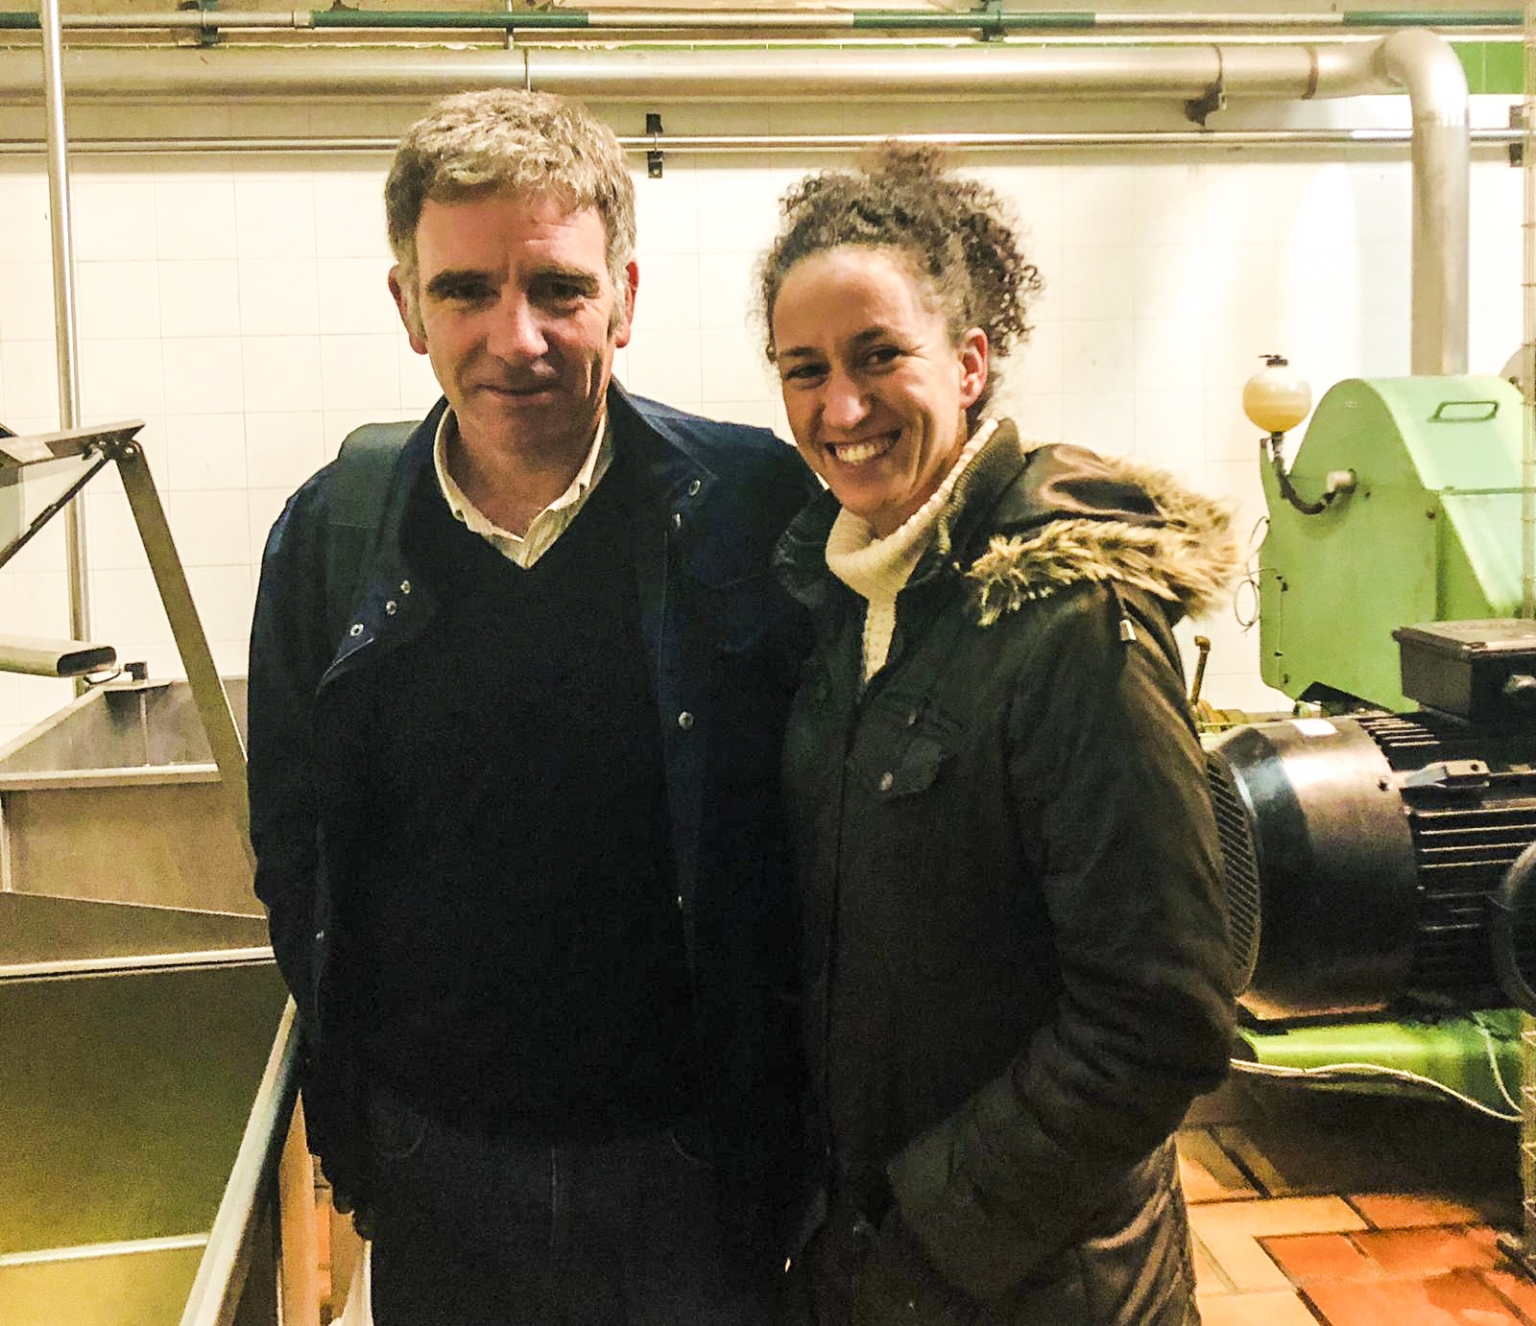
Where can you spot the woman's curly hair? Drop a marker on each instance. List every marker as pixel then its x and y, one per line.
pixel 957 233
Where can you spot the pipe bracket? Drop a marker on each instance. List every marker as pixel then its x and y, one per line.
pixel 1201 108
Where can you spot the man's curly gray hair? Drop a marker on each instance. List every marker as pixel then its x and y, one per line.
pixel 473 144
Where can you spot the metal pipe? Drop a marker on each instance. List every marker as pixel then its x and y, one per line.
pixel 706 144
pixel 966 73
pixel 687 20
pixel 64 333
pixel 1437 90
pixel 1527 379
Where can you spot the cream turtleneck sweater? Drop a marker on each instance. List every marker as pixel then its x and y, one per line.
pixel 877 569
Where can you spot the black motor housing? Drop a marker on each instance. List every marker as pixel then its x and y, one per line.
pixel 1361 853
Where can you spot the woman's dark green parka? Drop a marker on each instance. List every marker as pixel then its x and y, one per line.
pixel 1015 948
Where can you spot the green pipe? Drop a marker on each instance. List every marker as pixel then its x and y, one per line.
pixel 1390 18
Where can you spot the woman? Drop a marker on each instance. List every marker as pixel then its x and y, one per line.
pixel 1014 940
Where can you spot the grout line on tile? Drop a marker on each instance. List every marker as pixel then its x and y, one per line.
pixel 1241 1161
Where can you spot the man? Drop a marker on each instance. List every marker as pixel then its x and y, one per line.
pixel 516 827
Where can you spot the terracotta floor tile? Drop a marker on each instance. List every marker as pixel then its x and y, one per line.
pixel 1459 1298
pixel 1423 1252
pixel 1268 1309
pixel 1516 1287
pixel 1209 1173
pixel 1403 1210
pixel 1307 1257
pixel 1228 1232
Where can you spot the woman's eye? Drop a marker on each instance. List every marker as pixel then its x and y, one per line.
pixel 802 373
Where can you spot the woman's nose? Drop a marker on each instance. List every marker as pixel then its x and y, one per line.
pixel 844 405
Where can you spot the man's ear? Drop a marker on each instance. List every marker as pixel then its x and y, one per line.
pixel 623 322
pixel 405 305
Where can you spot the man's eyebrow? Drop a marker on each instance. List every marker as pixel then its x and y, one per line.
pixel 579 277
pixel 453 279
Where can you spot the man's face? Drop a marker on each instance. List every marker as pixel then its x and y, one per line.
pixel 514 305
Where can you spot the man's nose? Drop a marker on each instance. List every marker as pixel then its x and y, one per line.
pixel 516 331
pixel 844 405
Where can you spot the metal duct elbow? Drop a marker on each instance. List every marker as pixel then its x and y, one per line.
pixel 1428 68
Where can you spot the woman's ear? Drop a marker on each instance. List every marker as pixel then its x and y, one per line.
pixel 973 366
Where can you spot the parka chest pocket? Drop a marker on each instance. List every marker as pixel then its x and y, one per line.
pixel 901 747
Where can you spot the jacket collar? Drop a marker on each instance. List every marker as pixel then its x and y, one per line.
pixel 1026 521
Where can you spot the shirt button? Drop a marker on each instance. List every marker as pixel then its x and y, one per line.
pixel 355 630
pixel 685 720
pixel 693 488
pixel 887 781
pixel 391 607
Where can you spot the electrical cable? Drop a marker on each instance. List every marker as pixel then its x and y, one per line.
pixel 1349 1071
pixel 1493 1064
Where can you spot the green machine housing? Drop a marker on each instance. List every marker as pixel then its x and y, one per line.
pixel 1430 532
pixel 1371 869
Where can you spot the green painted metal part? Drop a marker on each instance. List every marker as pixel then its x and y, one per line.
pixel 1477 1054
pixel 1430 533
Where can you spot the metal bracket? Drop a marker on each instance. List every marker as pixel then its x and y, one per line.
pixel 655 158
pixel 1517 148
pixel 206 35
pixel 991 29
pixel 1215 99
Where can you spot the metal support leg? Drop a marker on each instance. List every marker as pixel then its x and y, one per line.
pixel 187 628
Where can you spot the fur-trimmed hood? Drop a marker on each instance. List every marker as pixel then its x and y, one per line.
pixel 1027 520
pixel 1079 516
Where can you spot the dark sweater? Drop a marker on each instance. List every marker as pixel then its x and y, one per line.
pixel 517 934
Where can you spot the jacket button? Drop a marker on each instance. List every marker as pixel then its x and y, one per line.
pixel 319 936
pixel 355 630
pixel 693 488
pixel 391 607
pixel 685 720
pixel 405 586
pixel 912 718
pixel 677 520
pixel 887 781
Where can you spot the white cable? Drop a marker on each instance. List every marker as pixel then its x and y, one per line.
pixel 1329 1072
pixel 1493 1064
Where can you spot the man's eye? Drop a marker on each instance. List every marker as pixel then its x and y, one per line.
pixel 466 292
pixel 563 292
pixel 882 355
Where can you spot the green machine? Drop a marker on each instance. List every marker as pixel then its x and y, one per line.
pixel 1424 526
pixel 1377 846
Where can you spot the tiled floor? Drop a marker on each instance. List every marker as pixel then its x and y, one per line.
pixel 1351 1210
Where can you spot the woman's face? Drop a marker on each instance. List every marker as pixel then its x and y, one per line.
pixel 875 389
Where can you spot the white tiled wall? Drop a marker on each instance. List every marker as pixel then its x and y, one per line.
pixel 239 306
